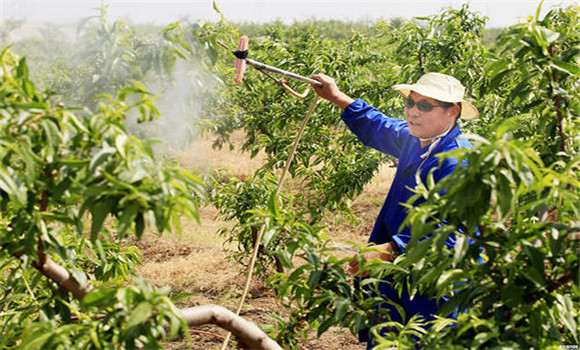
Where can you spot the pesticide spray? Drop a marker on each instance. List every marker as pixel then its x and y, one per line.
pixel 240 65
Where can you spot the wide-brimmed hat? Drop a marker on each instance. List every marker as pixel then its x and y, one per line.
pixel 442 87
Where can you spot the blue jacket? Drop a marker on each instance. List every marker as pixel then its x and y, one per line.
pixel 391 136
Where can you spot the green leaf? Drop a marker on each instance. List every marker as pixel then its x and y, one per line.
pixel 22 69
pixel 121 142
pixel 460 249
pixel 170 27
pixel 32 105
pixel 28 88
pixel 566 67
pixel 180 53
pixel 567 314
pixel 140 314
pixel 482 338
pixel 533 275
pixel 449 277
pixel 285 258
pixel 418 252
pixel 38 339
pixel 341 310
pixel 216 9
pixel 10 183
pixel 53 139
pixel 127 217
pixel 273 205
pixel 98 297
pixel 139 225
pixel 504 194
pixel 99 212
pixel 536 257
pixel 314 278
pixel 268 235
pixel 100 157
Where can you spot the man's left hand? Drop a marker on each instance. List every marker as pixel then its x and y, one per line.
pixel 386 251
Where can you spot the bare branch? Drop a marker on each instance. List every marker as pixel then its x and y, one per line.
pixel 62 277
pixel 250 335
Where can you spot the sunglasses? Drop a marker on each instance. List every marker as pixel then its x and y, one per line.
pixel 424 106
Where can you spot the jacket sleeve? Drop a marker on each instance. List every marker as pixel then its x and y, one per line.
pixel 374 129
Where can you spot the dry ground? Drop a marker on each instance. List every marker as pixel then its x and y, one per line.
pixel 195 261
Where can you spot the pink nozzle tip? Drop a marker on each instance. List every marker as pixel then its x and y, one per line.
pixel 240 64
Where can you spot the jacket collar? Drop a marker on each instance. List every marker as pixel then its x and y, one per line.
pixel 439 141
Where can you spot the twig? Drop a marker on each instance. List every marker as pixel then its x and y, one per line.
pixel 206 333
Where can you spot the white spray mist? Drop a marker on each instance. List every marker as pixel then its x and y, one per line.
pixel 180 102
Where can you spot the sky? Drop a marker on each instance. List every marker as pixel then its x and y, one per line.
pixel 501 13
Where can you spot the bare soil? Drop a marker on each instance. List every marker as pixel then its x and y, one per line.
pixel 195 262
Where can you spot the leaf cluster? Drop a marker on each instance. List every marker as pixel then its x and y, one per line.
pixel 72 188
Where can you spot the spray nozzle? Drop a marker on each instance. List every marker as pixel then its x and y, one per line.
pixel 242 59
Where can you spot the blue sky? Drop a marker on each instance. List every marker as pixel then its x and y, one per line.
pixel 500 12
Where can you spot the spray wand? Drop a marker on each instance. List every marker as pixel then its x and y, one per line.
pixel 242 61
pixel 240 66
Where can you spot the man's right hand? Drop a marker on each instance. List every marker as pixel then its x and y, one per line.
pixel 330 91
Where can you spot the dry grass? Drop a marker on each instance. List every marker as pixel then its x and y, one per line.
pixel 195 263
pixel 202 156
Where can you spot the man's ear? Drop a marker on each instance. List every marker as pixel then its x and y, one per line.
pixel 455 110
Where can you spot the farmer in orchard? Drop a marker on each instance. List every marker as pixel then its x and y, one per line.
pixel 433 105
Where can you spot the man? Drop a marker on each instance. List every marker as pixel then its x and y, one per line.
pixel 432 108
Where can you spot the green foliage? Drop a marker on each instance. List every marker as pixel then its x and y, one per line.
pixel 71 189
pixel 524 292
pixel 112 54
pixel 239 200
pixel 105 57
pixel 448 42
pixel 537 72
pixel 115 316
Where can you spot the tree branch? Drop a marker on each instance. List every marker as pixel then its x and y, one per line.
pixel 57 274
pixel 250 335
pixel 62 277
pixel 560 282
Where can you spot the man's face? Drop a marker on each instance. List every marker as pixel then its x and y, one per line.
pixel 429 124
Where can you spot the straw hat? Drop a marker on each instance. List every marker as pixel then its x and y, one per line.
pixel 444 88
